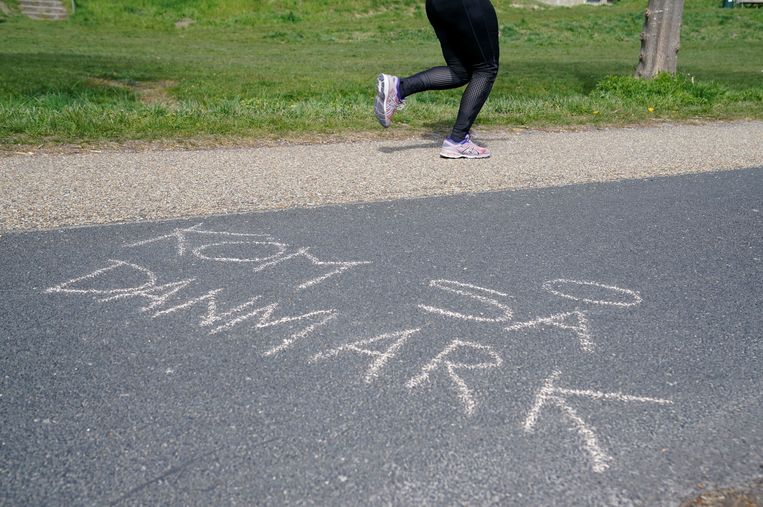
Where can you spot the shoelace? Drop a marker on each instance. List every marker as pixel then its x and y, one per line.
pixel 397 104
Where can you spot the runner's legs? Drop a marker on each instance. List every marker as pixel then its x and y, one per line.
pixel 468 35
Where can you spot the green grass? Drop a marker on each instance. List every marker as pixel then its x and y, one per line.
pixel 120 71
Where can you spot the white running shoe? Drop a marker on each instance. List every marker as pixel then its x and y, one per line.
pixel 464 149
pixel 387 100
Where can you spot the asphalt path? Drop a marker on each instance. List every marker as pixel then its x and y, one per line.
pixel 594 344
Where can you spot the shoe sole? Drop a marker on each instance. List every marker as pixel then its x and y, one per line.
pixel 454 156
pixel 381 94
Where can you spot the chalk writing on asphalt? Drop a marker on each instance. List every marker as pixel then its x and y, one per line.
pixel 381 357
pixel 463 364
pixel 557 396
pixel 273 252
pixel 441 361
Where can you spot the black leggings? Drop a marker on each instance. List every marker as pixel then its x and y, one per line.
pixel 468 34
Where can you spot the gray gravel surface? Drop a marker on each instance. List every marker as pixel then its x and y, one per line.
pixel 42 191
pixel 595 344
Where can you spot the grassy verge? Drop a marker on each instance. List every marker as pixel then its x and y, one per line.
pixel 119 71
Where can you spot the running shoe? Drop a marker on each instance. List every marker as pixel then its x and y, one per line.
pixel 387 99
pixel 464 149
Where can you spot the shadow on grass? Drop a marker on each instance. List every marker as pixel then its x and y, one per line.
pixel 541 78
pixel 33 74
pixel 525 77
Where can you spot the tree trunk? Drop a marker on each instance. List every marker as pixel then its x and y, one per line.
pixel 661 38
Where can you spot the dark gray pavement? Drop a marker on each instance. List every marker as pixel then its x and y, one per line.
pixel 595 344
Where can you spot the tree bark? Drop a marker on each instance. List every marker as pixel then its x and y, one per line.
pixel 661 38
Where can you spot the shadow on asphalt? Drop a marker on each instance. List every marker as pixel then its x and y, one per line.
pixel 394 149
pixel 435 144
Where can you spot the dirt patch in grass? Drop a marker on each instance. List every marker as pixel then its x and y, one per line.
pixel 4 9
pixel 184 23
pixel 148 92
pixel 751 496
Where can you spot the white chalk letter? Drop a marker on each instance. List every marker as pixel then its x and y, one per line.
pixel 338 267
pixel 381 357
pixel 464 393
pixel 632 298
pixel 244 312
pixel 557 396
pixel 200 252
pixel 156 294
pixel 181 236
pixel 481 294
pixel 576 321
pixel 213 316
pixel 72 287
pixel 323 317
